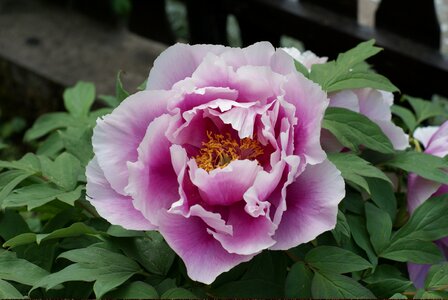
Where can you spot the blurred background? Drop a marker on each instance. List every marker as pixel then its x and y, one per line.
pixel 47 45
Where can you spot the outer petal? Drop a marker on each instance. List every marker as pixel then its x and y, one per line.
pixel 114 207
pixel 345 99
pixel 396 135
pixel 424 134
pixel 152 180
pixel 176 63
pixel 417 274
pixel 312 205
pixel 419 190
pixel 117 136
pixel 310 102
pixel 225 186
pixel 202 254
pixel 438 144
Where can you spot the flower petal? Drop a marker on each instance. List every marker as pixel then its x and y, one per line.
pixel 419 190
pixel 117 136
pixel 152 179
pixel 114 207
pixel 193 241
pixel 312 205
pixel 417 274
pixel 424 134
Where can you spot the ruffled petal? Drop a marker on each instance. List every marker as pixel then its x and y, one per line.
pixel 311 205
pixel 117 136
pixel 227 185
pixel 152 179
pixel 114 207
pixel 193 241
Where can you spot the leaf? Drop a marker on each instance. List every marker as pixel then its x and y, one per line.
pixel 379 226
pixel 73 230
pixel 425 165
pixel 248 288
pixel 298 281
pixel 78 142
pixel 142 86
pixel 178 293
pixel 433 295
pixel 52 146
pixel 15 177
pixel 353 168
pixel 36 195
pixel 120 92
pixel 416 251
pixel 398 296
pixel 47 123
pixel 342 228
pixel 118 231
pixel 383 196
pixel 64 171
pixel 11 224
pixel 29 162
pixel 19 270
pixel 79 99
pixel 331 286
pixel 8 291
pixel 353 130
pixel 437 277
pixel 406 116
pixel 424 109
pixel 361 237
pixel 356 80
pixel 150 250
pixel 428 222
pixel 387 281
pixel 301 68
pixel 135 290
pixel 336 260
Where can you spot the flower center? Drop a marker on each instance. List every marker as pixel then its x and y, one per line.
pixel 220 150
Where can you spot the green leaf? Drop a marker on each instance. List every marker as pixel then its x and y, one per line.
pixel 29 162
pixel 406 116
pixel 64 171
pixel 379 225
pixel 120 92
pixel 11 224
pixel 398 296
pixel 150 250
pixel 52 145
pixel 336 260
pixel 142 85
pixel 354 169
pixel 135 290
pixel 425 165
pixel 301 68
pixel 362 79
pixel 79 99
pixel 248 288
pixel 386 281
pixel 14 178
pixel 8 291
pixel 19 270
pixel 437 277
pixel 353 130
pixel 416 251
pixel 424 109
pixel 361 237
pixel 178 293
pixel 49 122
pixel 73 230
pixel 383 196
pixel 330 286
pixel 342 228
pixel 298 281
pixel 427 223
pixel 78 142
pixel 118 231
pixel 434 295
pixel 36 195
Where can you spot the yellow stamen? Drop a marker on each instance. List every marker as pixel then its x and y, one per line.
pixel 220 150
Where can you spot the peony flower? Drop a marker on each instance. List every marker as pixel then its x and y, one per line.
pixel 435 141
pixel 374 104
pixel 221 154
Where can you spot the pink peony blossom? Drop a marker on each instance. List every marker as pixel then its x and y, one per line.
pixel 221 154
pixel 435 141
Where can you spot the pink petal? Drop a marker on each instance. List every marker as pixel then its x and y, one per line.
pixel 250 235
pixel 310 102
pixel 419 190
pixel 438 144
pixel 114 207
pixel 417 274
pixel 193 241
pixel 176 63
pixel 227 185
pixel 345 99
pixel 424 134
pixel 375 104
pixel 311 205
pixel 396 135
pixel 117 136
pixel 152 180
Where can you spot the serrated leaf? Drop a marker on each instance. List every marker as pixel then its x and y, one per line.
pixel 425 165
pixel 353 130
pixel 298 281
pixel 73 230
pixel 36 195
pixel 353 168
pixel 8 291
pixel 331 286
pixel 379 226
pixel 336 260
pixel 405 115
pixel 79 98
pixel 19 270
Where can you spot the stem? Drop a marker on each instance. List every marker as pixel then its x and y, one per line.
pixel 292 256
pixel 88 209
